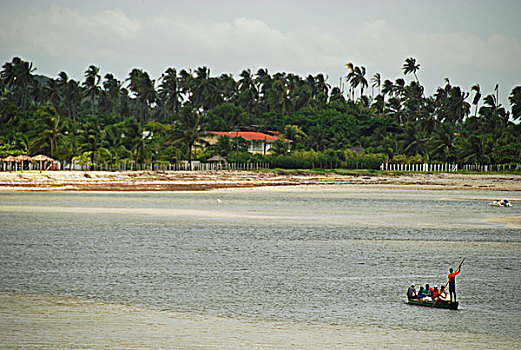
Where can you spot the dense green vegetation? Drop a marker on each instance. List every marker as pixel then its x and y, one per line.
pixel 107 121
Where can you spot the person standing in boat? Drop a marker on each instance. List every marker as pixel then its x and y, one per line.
pixel 452 282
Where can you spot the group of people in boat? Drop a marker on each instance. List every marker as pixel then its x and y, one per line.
pixel 436 294
pixel 428 293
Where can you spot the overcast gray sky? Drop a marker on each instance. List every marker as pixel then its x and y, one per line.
pixel 466 41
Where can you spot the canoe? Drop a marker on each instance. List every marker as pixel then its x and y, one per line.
pixel 439 304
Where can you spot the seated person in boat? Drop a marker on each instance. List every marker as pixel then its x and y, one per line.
pixel 427 293
pixel 443 294
pixel 411 293
pixel 435 293
pixel 421 293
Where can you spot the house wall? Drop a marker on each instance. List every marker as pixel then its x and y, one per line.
pixel 257 146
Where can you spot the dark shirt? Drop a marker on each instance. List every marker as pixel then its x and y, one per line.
pixel 411 293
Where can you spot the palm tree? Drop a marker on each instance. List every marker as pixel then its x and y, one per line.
pixel 224 90
pixel 202 89
pixel 91 85
pixel 395 110
pixel 226 145
pixel 351 78
pixel 410 66
pixel 37 93
pixel 399 87
pixel 495 115
pixel 278 98
pixel 91 138
pixel 72 94
pixel 185 81
pixel 188 129
pixel 457 108
pixel 294 133
pixel 148 94
pixel 414 140
pixel 263 81
pixel 356 77
pixel 8 74
pixel 10 115
pixel 515 102
pixel 428 122
pixel 63 86
pixel 378 103
pixel 303 97
pixel 17 74
pixel 279 147
pixel 376 81
pixel 248 95
pixel 390 145
pixel 111 91
pixel 143 87
pixel 170 92
pixel 316 84
pixel 63 78
pixel 53 93
pixel 442 143
pixel 477 97
pixel 321 84
pixel 114 142
pixel 316 138
pixel 141 146
pixel 24 78
pixel 246 82
pixel 387 87
pixel 49 130
pixel 475 150
pixel 414 105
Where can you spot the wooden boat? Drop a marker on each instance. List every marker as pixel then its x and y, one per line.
pixel 442 304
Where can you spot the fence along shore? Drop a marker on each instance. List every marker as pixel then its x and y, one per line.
pixel 28 164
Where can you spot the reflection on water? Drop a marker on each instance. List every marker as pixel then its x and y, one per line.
pixel 341 257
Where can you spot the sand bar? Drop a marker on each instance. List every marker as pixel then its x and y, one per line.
pixel 47 322
pixel 508 221
pixel 201 181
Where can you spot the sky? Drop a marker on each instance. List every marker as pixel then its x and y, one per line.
pixel 466 41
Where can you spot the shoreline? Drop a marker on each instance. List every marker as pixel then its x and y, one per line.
pixel 221 180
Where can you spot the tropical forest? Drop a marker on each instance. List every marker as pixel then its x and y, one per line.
pixel 103 121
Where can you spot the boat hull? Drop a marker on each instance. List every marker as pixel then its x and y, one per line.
pixel 440 304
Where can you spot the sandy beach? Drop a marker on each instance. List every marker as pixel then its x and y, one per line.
pixel 200 181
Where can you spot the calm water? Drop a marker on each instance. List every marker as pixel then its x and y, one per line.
pixel 343 257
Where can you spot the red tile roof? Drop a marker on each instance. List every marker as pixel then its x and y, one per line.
pixel 248 135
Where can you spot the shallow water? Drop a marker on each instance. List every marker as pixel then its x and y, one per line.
pixel 322 257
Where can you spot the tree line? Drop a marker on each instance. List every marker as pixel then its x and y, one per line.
pixel 141 119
